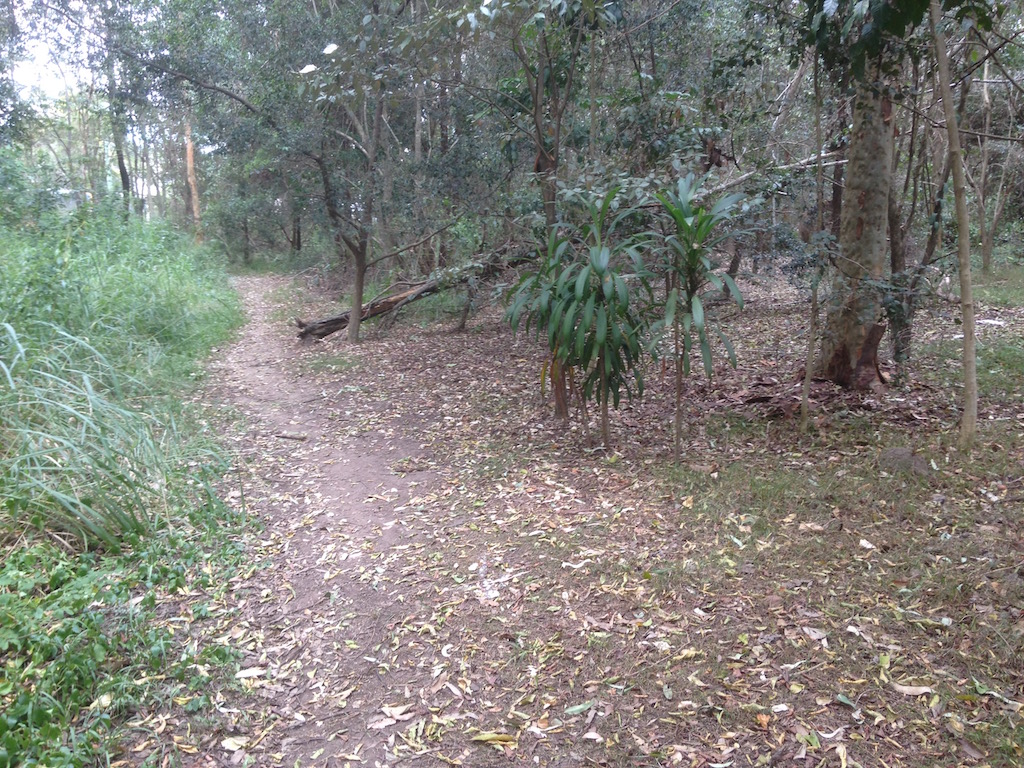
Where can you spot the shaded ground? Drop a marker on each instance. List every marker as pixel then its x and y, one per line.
pixel 447 577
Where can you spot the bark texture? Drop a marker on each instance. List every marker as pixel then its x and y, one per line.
pixel 193 182
pixel 852 330
pixel 969 419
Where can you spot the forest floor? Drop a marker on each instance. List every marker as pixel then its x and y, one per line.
pixel 446 576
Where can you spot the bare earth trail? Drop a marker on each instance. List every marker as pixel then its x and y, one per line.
pixel 325 473
pixel 380 623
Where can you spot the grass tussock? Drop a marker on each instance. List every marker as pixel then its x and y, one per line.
pixel 105 501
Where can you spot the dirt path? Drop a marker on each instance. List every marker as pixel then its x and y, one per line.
pixel 326 472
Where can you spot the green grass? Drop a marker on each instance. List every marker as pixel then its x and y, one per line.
pixel 106 506
pixel 1001 368
pixel 1003 287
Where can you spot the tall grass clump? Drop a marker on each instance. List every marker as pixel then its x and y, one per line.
pixel 103 323
pixel 105 497
pixel 75 458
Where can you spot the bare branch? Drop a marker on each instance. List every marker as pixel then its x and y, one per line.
pixel 409 247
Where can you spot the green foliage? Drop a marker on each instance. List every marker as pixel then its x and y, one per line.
pixel 138 293
pixel 690 235
pixel 103 322
pixel 686 250
pixel 102 319
pixel 80 653
pixel 849 34
pixel 74 459
pixel 57 654
pixel 579 298
pixel 1004 287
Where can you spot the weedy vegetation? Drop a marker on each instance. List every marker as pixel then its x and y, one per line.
pixel 105 478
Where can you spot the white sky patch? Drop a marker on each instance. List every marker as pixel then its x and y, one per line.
pixel 40 72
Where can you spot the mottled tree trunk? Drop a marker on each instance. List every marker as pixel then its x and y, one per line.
pixel 193 182
pixel 901 315
pixel 837 173
pixel 546 169
pixel 852 329
pixel 735 254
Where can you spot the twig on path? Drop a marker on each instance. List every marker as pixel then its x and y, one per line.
pixel 300 436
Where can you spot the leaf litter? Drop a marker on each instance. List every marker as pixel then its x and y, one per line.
pixel 448 577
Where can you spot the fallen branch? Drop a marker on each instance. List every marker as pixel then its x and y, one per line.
pixel 319 329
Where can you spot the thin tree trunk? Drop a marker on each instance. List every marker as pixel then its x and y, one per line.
pixel 296 232
pixel 117 124
pixel 812 331
pixel 592 83
pixel 735 253
pixel 981 189
pixel 193 182
pixel 988 224
pixel 246 242
pixel 361 253
pixel 122 170
pixel 605 427
pixel 969 420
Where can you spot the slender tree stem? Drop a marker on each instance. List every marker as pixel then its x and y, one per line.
pixel 969 420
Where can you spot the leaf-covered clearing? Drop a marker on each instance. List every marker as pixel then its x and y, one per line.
pixel 447 576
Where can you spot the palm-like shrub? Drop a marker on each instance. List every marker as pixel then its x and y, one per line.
pixel 685 247
pixel 580 298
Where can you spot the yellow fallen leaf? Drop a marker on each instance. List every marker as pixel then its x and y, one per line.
pixel 234 743
pixel 688 502
pixel 493 737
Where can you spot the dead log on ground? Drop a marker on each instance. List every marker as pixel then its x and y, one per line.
pixel 319 329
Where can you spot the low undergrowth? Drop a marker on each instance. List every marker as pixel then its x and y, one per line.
pixel 847 595
pixel 105 480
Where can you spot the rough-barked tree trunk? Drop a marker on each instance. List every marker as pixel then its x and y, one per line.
pixel 193 183
pixel 899 318
pixel 849 354
pixel 836 202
